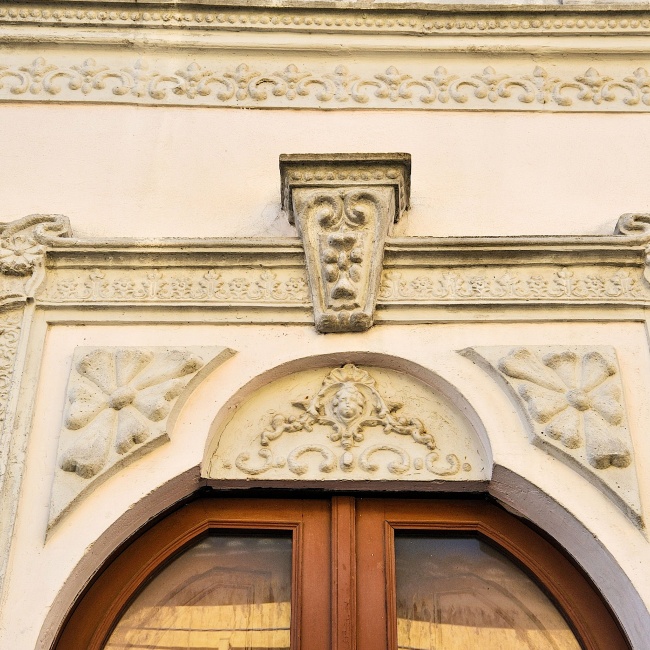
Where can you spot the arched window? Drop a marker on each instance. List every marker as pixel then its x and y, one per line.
pixel 340 572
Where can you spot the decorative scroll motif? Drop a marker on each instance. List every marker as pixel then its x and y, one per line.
pixel 633 224
pixel 295 86
pixel 371 21
pixel 22 252
pixel 10 323
pixel 509 283
pixel 342 206
pixel 120 401
pixel 346 406
pixel 572 399
pixel 193 285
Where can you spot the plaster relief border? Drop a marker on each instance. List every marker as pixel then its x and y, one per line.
pixel 254 84
pixel 304 17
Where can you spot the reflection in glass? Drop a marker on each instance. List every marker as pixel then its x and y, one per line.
pixel 460 593
pixel 229 591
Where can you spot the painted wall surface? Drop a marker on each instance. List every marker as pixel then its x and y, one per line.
pixel 135 172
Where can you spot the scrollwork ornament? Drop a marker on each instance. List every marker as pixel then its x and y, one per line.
pixel 212 84
pixel 347 424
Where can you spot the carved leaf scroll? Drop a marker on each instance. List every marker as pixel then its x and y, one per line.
pixel 347 428
pixel 572 400
pixel 257 85
pixel 121 403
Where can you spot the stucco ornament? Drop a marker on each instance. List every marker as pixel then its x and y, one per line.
pixel 121 405
pixel 354 431
pixel 342 206
pixel 22 253
pixel 572 399
pixel 215 83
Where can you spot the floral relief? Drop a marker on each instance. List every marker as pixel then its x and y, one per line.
pixel 202 286
pixel 19 254
pixel 573 396
pixel 241 84
pixel 576 283
pixel 118 399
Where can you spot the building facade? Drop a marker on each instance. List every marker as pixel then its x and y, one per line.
pixel 266 267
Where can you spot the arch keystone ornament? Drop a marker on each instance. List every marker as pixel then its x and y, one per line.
pixel 572 400
pixel 347 424
pixel 343 205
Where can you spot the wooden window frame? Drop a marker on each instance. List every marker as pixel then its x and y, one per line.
pixel 343 558
pixel 101 606
pixel 569 589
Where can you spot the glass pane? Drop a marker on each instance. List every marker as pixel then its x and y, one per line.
pixel 227 592
pixel 460 593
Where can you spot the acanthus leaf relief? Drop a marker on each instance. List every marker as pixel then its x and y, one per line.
pixel 347 429
pixel 572 399
pixel 121 402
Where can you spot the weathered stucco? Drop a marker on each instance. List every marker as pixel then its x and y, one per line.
pixel 146 225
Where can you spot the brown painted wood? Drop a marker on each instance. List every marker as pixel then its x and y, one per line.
pixel 377 519
pixel 98 610
pixel 328 537
pixel 343 574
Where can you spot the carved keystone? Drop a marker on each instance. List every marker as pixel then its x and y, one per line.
pixel 342 205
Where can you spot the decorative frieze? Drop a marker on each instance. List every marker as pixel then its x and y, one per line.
pixel 342 205
pixel 187 284
pixel 296 85
pixel 122 403
pixel 572 401
pixel 348 425
pixel 475 284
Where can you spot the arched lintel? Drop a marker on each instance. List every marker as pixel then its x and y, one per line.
pixel 514 492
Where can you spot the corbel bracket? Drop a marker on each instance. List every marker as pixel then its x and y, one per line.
pixel 343 205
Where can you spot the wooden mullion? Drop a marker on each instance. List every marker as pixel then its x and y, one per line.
pixel 344 574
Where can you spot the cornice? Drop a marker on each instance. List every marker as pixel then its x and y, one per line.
pixel 329 56
pixel 270 273
pixel 334 17
pixel 40 261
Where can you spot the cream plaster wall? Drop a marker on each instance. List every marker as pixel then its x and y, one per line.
pixel 126 171
pixel 83 538
pixel 497 165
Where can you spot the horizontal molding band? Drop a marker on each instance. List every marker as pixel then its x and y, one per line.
pixel 309 17
pixel 424 84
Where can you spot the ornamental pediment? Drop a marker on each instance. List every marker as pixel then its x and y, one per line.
pixel 350 423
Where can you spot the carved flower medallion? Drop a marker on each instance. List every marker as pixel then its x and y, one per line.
pixel 571 394
pixel 117 400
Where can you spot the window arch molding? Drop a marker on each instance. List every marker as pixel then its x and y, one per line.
pixel 517 493
pixel 122 576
